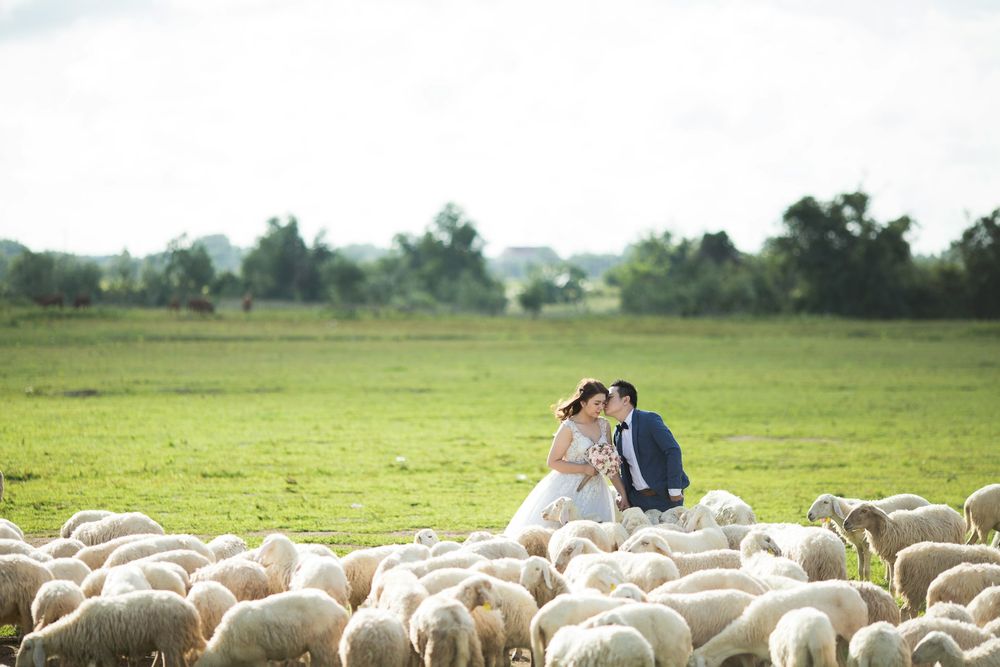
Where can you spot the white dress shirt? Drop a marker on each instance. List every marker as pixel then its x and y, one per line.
pixel 628 451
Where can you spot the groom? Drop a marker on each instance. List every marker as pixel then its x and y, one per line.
pixel 651 458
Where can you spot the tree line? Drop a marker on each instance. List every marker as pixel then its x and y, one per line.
pixel 832 257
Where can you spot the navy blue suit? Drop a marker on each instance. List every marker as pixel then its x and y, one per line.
pixel 659 459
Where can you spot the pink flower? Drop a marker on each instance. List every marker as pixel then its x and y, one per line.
pixel 604 457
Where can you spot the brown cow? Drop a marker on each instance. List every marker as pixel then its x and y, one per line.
pixel 81 301
pixel 47 300
pixel 247 302
pixel 200 305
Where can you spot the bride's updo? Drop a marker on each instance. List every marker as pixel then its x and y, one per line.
pixel 586 390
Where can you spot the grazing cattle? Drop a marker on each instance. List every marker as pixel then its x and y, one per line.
pixel 81 301
pixel 200 305
pixel 247 302
pixel 175 304
pixel 47 300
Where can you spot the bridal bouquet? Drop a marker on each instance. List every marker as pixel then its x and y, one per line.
pixel 605 458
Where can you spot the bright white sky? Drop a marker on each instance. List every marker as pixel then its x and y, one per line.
pixel 580 125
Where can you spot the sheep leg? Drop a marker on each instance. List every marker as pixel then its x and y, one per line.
pixel 996 539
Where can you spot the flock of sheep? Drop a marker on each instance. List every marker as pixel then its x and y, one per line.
pixel 694 587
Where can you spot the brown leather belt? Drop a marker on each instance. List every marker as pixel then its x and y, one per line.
pixel 647 492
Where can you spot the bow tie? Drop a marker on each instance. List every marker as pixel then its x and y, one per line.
pixel 622 426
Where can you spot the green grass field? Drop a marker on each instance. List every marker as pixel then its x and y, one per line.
pixel 293 421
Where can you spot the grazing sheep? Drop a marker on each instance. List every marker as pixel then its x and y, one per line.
pixel 749 633
pixel 881 605
pixel 830 507
pixel 508 569
pixel 150 546
pixel 54 600
pixel 80 518
pixel 442 632
pixel 19 547
pixel 966 635
pixel 20 579
pixel 542 580
pixel 600 577
pixel 650 541
pixel 446 577
pixel 165 576
pixel 993 627
pixel 576 530
pixel 212 600
pixel 728 509
pixel 315 549
pixel 918 565
pixel 517 606
pixel 704 535
pixel 360 566
pixel 962 583
pixel 878 645
pixel 716 579
pixel 707 613
pixel 13 528
pixel 803 638
pixel 8 532
pixel 61 547
pixel 955 612
pixel 633 519
pixel 476 594
pixel 279 557
pixel 131 625
pixel 68 569
pixel 498 547
pixel 595 647
pixel 124 579
pixel 445 547
pixel 818 551
pixel 985 607
pixel 565 610
pixel 114 526
pixel 402 595
pixel 937 647
pixel 653 516
pixel 185 559
pixel 374 637
pixel 226 546
pixel 535 540
pixel 629 591
pixel 761 556
pixel 324 574
pixel 982 514
pixel 735 533
pixel 245 579
pixel 645 570
pixel 96 555
pixel 282 626
pixel 479 536
pixel 888 534
pixel 666 631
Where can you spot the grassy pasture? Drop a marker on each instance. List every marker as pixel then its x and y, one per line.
pixel 293 421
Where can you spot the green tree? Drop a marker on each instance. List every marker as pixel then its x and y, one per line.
pixel 279 266
pixel 32 274
pixel 979 250
pixel 189 270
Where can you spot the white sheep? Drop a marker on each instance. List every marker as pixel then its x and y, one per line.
pixel 165 576
pixel 707 612
pixel 508 569
pixel 20 579
pixel 967 635
pixel 985 607
pixel 600 577
pixel 131 625
pixel 443 578
pixel 498 547
pixel 888 534
pixel 114 526
pixel 919 564
pixel 535 540
pixel 279 557
pixel 124 579
pixel 18 547
pixel 651 541
pixel 282 626
pixel 818 551
pixel 580 529
pixel 7 532
pixel 595 647
pixel 150 546
pixel 212 600
pixel 761 556
pixel 666 631
pixel 226 546
pixel 716 579
pixel 955 612
pixel 479 536
pixel 442 632
pixel 735 533
pixel 445 547
pixel 374 637
pixel 939 648
pixel 828 507
pixel 68 569
pixel 96 555
pixel 402 595
pixel 360 566
pixel 645 570
pixel 316 549
pixel 881 605
pixel 245 579
pixel 629 591
pixel 878 645
pixel 728 508
pixel 633 519
pixel 982 514
pixel 749 633
pixel 80 518
pixel 565 610
pixel 426 537
pixel 186 559
pixel 542 580
pixel 476 594
pixel 803 638
pixel 61 547
pixel 704 535
pixel 962 583
pixel 517 606
pixel 325 574
pixel 54 600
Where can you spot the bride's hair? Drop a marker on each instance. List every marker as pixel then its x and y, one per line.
pixel 586 390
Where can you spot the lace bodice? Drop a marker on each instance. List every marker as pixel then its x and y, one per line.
pixel 577 451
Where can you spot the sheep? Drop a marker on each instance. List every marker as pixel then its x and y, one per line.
pixel 878 645
pixel 727 508
pixel 443 633
pixel 633 519
pixel 881 605
pixel 645 570
pixel 61 547
pixel 704 535
pixel 402 596
pixel 589 530
pixel 20 579
pixel 408 554
pixel 374 637
pixel 761 556
pixel 315 549
pixel 830 507
pixel 565 610
pixel 517 606
pixel 594 647
pixel 96 555
pixel 803 638
pixel 707 580
pixel 985 607
pixel 133 625
pixel 282 626
pixel 993 627
pixel 94 582
pixel 360 566
pixel 69 569
pixel 9 531
pixel 187 560
pixel 426 537
pixel 735 533
pixel 21 548
pixel 127 553
pixel 666 631
pixel 938 648
pixel 443 578
pixel 982 514
pixel 646 541
pixel 542 580
pixel 279 557
pixel 226 546
pixel 962 583
pixel 749 633
pixel 165 576
pixel 498 547
pixel 421 568
pixel 212 600
pixel 918 565
pixel 55 599
pixel 955 612
pixel 600 577
pixel 888 534
pixel 324 574
pixel 479 536
pixel 966 635
pixel 80 518
pixel 707 613
pixel 476 594
pixel 444 547
pixel 115 525
pixel 629 591
pixel 508 569
pixel 124 579
pixel 245 579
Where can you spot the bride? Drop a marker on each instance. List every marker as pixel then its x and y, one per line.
pixel 582 427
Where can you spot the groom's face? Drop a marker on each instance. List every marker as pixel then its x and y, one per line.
pixel 615 405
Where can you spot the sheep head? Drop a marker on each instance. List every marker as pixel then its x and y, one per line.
pixel 573 548
pixel 426 537
pixel 866 517
pixel 824 507
pixel 647 542
pixel 935 646
pixel 758 541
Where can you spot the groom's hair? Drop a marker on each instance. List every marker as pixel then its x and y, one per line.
pixel 626 388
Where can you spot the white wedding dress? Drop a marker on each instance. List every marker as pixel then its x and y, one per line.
pixel 595 501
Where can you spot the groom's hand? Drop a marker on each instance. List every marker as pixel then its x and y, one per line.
pixel 676 499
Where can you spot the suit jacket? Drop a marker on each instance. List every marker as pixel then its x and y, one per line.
pixel 656 452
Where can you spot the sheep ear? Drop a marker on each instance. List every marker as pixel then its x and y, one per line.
pixel 38 655
pixel 838 509
pixel 547 576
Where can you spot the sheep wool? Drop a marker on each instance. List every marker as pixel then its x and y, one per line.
pixel 374 637
pixel 982 514
pixel 594 647
pixel 878 645
pixel 803 638
pixel 115 525
pixel 212 600
pixel 20 579
pixel 54 600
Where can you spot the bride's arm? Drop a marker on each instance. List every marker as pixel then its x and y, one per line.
pixel 616 481
pixel 560 443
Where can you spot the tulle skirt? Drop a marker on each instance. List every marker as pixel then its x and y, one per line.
pixel 594 501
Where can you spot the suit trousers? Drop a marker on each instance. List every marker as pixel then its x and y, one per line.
pixel 658 502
